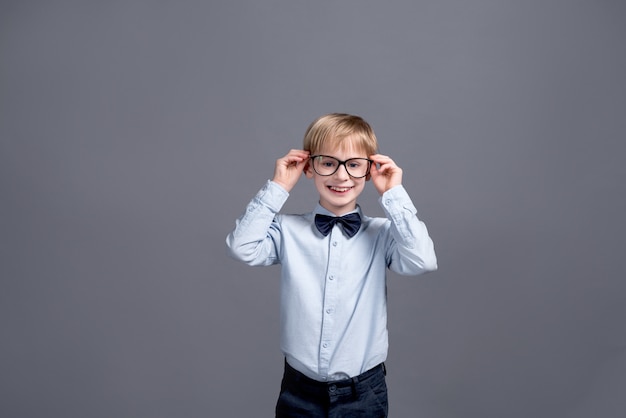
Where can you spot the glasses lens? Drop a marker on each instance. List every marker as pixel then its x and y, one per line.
pixel 357 167
pixel 325 166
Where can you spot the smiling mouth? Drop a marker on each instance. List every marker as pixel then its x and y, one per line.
pixel 339 189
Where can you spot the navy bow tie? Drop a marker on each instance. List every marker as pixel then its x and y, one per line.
pixel 350 222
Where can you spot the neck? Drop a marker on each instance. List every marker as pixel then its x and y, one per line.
pixel 339 212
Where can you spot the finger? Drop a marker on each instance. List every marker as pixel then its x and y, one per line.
pixel 293 157
pixel 298 157
pixel 380 160
pixel 383 163
pixel 379 157
pixel 299 152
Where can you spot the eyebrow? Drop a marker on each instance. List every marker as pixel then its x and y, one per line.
pixel 339 159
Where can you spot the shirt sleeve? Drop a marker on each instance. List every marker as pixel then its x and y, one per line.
pixel 411 250
pixel 256 237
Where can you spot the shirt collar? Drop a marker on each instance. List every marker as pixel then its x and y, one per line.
pixel 319 209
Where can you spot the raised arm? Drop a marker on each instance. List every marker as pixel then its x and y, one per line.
pixel 411 250
pixel 256 237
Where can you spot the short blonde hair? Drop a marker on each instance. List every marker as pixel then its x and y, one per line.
pixel 340 130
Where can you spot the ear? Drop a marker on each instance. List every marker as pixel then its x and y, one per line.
pixel 369 173
pixel 308 170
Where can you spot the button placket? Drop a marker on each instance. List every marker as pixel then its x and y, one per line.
pixel 330 300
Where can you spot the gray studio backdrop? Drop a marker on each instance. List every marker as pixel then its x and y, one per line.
pixel 133 133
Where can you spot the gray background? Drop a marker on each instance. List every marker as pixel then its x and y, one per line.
pixel 133 133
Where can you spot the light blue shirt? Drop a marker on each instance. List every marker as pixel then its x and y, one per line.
pixel 333 304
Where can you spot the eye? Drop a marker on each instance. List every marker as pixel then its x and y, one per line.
pixel 327 162
pixel 355 163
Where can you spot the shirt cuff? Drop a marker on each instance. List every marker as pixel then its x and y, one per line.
pixel 396 201
pixel 272 195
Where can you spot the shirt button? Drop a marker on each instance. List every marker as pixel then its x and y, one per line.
pixel 325 345
pixel 329 311
pixel 334 243
pixel 331 277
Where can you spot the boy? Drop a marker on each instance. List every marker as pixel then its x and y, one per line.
pixel 333 279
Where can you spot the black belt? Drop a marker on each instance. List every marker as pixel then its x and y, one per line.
pixel 296 376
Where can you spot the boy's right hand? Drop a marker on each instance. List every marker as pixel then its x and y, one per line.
pixel 289 168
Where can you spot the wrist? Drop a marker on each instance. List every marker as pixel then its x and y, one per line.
pixel 281 184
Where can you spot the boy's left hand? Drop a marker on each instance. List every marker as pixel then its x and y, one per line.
pixel 384 173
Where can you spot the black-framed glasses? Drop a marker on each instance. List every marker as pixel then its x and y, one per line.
pixel 325 165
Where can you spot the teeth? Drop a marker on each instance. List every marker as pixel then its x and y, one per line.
pixel 340 189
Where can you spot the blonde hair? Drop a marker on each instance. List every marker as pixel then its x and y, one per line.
pixel 340 130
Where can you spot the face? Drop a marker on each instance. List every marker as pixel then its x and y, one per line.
pixel 339 191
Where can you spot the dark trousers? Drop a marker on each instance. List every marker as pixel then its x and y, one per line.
pixel 364 396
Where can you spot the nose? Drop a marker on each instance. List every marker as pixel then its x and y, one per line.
pixel 342 172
